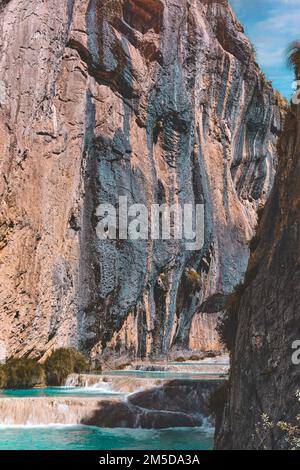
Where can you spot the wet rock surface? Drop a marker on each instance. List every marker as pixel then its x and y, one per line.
pixel 158 101
pixel 158 405
pixel 174 404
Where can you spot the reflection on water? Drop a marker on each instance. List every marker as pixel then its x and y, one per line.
pixel 90 438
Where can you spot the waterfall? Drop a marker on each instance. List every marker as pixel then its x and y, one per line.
pixel 113 401
pixel 45 411
pixel 111 384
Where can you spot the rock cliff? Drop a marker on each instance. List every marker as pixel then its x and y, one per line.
pixel 264 378
pixel 159 101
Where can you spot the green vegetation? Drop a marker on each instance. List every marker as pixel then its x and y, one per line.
pixel 123 366
pixel 24 373
pixel 290 432
pixel 21 373
pixel 179 359
pixel 193 279
pixel 293 56
pixel 63 362
pixel 195 358
pixel 2 376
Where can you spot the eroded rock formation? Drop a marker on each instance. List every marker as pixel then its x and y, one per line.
pixel 264 380
pixel 159 101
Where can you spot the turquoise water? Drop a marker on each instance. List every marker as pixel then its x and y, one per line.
pixel 90 438
pixel 149 374
pixel 198 363
pixel 61 391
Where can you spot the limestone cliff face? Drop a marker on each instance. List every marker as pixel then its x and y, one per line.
pixel 264 379
pixel 159 101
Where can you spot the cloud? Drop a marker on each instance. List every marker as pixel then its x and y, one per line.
pixel 273 35
pixel 271 26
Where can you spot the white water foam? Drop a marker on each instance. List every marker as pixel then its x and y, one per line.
pixel 103 388
pixel 97 389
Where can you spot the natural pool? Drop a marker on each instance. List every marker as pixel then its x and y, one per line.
pixel 73 437
pixel 91 438
pixel 158 374
pixel 104 391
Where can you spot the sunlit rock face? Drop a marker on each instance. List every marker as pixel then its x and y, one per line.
pixel 265 376
pixel 159 101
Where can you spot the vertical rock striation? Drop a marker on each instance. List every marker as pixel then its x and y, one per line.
pixel 159 101
pixel 264 380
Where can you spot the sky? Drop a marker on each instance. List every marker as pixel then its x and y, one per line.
pixel 271 26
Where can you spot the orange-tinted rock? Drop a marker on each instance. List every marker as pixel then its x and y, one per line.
pixel 158 101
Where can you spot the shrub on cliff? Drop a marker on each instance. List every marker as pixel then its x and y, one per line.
pixel 293 56
pixel 23 373
pixel 2 377
pixel 62 363
pixel 193 279
pixel 290 432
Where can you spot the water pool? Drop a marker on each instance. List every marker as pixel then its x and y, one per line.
pixel 104 391
pixel 167 375
pixel 91 438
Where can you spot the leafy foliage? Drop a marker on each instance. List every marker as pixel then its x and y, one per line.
pixel 291 432
pixel 193 279
pixel 63 362
pixel 22 373
pixel 2 376
pixel 293 56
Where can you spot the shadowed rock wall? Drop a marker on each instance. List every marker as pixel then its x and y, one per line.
pixel 264 380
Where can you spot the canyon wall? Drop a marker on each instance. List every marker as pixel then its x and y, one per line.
pixel 158 101
pixel 264 379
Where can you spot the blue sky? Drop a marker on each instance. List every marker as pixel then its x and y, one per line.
pixel 271 25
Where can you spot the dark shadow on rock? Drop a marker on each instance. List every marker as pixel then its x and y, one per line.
pixel 176 404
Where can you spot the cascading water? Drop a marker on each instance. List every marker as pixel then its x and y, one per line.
pixel 111 401
pixel 45 411
pixel 83 384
